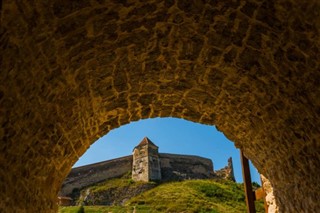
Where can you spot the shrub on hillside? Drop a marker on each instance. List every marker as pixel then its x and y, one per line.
pixel 81 209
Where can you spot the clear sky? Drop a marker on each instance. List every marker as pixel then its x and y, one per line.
pixel 171 135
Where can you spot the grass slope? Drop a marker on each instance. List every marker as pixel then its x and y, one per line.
pixel 186 196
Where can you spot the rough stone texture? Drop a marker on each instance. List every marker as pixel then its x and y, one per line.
pixel 73 70
pixel 83 176
pixel 146 162
pixel 114 195
pixel 173 167
pixel 183 167
pixel 227 172
pixel 270 199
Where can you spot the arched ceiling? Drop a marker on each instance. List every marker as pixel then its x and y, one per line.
pixel 72 71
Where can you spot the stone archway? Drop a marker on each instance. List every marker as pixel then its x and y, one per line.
pixel 72 71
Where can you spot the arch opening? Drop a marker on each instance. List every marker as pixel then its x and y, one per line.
pixel 202 151
pixel 70 73
pixel 171 135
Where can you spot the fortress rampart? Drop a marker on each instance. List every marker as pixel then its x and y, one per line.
pixel 83 176
pixel 173 167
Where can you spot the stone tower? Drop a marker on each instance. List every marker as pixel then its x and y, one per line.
pixel 227 171
pixel 230 175
pixel 146 162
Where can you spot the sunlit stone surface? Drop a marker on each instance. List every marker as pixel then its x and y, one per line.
pixel 73 70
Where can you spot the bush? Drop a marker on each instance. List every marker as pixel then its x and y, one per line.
pixel 81 209
pixel 255 185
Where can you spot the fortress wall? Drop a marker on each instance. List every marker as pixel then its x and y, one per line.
pixel 83 176
pixel 73 71
pixel 226 172
pixel 175 166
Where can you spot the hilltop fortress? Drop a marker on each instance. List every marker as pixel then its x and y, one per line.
pixel 145 164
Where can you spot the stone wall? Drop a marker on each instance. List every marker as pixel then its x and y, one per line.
pixel 146 163
pixel 270 199
pixel 154 165
pixel 71 71
pixel 227 172
pixel 83 176
pixel 140 169
pixel 180 167
pixel 173 167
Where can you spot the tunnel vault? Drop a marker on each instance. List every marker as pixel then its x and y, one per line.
pixel 73 70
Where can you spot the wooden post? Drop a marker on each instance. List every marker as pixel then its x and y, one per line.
pixel 247 184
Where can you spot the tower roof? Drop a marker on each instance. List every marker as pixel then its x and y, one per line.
pixel 146 141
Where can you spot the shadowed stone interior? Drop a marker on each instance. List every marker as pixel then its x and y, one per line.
pixel 71 71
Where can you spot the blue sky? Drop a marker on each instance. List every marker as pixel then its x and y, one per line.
pixel 171 135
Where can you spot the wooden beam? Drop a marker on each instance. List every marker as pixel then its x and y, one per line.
pixel 250 196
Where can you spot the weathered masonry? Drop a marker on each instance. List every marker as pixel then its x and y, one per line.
pixel 71 71
pixel 145 164
pixel 148 165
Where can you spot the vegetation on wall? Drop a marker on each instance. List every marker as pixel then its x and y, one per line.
pixel 186 196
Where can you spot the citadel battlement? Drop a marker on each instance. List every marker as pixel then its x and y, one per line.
pixel 167 166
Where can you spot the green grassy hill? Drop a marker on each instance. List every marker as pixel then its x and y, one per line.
pixel 185 196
